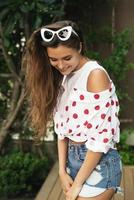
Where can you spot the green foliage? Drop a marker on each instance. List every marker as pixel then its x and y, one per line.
pixel 19 18
pixel 21 173
pixel 28 16
pixel 34 11
pixel 115 63
pixel 126 151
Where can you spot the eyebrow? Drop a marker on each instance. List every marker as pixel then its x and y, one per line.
pixel 62 58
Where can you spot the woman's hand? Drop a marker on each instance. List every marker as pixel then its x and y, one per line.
pixel 73 192
pixel 66 181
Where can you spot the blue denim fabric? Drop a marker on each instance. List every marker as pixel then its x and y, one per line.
pixel 109 169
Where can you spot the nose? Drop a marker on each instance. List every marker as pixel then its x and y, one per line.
pixel 60 65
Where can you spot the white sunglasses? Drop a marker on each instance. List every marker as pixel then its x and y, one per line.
pixel 63 34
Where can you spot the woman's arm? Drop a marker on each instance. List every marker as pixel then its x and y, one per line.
pixel 62 154
pixel 66 180
pixel 97 82
pixel 90 162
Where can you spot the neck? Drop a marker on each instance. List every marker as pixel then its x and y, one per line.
pixel 83 60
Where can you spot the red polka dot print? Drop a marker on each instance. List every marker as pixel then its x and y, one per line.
pixel 117 103
pixel 100 132
pixel 81 97
pixel 103 116
pixel 96 96
pixel 105 130
pixel 74 103
pixel 66 108
pixel 112 102
pixel 109 118
pixel 107 104
pixel 105 140
pixel 97 126
pixel 110 89
pixel 86 111
pixel 97 107
pixel 113 131
pixel 89 125
pixel 70 130
pixel 92 138
pixel 67 119
pixel 85 123
pixel 75 116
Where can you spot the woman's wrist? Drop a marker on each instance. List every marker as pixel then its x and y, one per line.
pixel 62 171
pixel 77 184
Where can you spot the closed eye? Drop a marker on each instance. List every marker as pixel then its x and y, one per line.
pixel 52 59
pixel 67 58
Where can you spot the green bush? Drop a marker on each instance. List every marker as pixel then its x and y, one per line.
pixel 126 151
pixel 22 173
pixel 116 62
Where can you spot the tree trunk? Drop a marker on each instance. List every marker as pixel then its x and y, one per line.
pixel 3 135
pixel 11 116
pixel 18 93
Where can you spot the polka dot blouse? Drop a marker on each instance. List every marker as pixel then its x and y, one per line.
pixel 86 116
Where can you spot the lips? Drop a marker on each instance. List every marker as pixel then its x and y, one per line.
pixel 65 70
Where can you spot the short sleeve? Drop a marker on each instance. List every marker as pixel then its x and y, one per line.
pixel 59 133
pixel 60 137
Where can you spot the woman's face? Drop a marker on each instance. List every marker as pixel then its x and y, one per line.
pixel 64 59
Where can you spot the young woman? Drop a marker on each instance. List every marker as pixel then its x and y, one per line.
pixel 80 96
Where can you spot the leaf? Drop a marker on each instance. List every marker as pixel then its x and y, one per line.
pixel 4 3
pixel 41 7
pixel 57 12
pixel 25 8
pixel 37 22
pixel 47 1
pixel 6 42
pixel 32 6
pixel 3 13
pixel 21 22
pixel 10 26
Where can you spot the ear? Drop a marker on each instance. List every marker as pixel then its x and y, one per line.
pixel 80 47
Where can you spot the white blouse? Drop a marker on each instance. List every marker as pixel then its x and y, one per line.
pixel 86 116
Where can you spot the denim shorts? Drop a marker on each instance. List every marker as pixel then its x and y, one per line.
pixel 106 175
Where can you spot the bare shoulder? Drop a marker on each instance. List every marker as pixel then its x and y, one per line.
pixel 98 81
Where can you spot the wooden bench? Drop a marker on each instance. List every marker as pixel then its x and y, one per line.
pixel 51 189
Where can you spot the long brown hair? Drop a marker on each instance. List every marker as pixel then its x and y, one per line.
pixel 43 82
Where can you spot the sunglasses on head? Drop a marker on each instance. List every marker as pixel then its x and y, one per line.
pixel 63 33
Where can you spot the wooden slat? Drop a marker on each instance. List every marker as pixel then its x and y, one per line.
pixel 50 182
pixel 55 193
pixel 62 196
pixel 129 182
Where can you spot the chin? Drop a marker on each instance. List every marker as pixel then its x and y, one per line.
pixel 66 72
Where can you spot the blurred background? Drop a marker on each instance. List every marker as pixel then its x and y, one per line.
pixel 108 29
